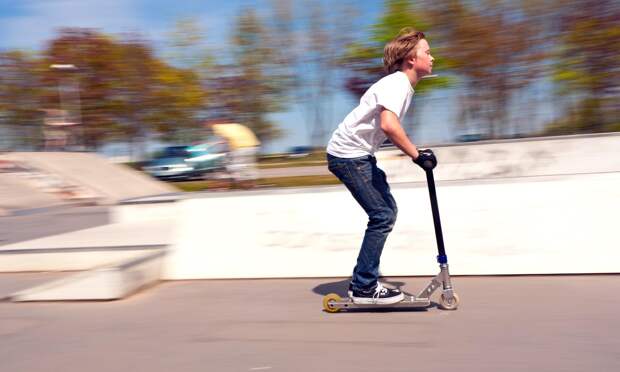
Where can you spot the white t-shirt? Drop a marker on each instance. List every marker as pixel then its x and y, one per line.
pixel 360 132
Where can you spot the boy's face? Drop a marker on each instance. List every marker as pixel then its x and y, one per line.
pixel 423 61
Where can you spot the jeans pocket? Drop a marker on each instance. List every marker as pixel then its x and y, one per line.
pixel 363 169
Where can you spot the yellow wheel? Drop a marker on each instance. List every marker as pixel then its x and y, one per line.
pixel 328 302
pixel 449 303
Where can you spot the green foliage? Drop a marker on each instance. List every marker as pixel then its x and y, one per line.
pixel 364 60
pixel 496 50
pixel 20 95
pixel 126 92
pixel 587 67
pixel 254 85
pixel 398 14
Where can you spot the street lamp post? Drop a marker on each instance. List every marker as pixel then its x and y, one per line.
pixel 62 98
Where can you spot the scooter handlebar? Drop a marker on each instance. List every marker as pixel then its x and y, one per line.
pixel 426 160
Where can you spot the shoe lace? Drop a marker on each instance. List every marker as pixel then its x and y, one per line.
pixel 379 290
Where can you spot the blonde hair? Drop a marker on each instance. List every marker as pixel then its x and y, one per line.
pixel 397 49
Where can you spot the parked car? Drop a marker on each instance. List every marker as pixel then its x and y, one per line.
pixel 300 151
pixel 187 162
pixel 471 137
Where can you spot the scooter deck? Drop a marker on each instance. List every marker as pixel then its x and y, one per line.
pixel 410 302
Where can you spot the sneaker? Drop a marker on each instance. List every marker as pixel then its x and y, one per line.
pixel 378 295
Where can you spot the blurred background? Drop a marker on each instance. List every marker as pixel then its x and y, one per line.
pixel 136 80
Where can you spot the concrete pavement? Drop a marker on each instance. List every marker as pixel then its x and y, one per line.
pixel 547 323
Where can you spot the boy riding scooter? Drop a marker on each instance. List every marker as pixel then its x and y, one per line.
pixel 350 155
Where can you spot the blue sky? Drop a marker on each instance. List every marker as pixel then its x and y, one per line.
pixel 28 24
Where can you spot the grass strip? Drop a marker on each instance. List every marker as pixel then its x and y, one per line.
pixel 275 182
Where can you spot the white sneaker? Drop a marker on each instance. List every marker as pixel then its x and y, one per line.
pixel 378 295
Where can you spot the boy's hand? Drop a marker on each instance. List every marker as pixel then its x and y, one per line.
pixel 426 159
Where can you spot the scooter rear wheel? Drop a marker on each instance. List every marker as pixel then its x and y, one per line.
pixel 449 303
pixel 328 300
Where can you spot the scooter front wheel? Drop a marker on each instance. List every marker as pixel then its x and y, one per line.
pixel 447 303
pixel 328 301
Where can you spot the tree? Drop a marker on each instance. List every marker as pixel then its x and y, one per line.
pixel 254 85
pixel 364 60
pixel 586 66
pixel 20 96
pixel 496 50
pixel 126 92
pixel 155 97
pixel 188 47
pixel 331 30
pixel 97 59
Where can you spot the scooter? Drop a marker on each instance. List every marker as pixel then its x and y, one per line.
pixel 449 300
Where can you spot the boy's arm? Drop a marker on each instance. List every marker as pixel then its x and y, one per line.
pixel 395 132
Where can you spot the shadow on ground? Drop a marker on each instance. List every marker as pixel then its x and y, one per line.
pixel 340 288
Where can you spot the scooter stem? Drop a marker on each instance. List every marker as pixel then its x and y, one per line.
pixel 441 258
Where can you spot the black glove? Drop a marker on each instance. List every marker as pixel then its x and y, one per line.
pixel 426 159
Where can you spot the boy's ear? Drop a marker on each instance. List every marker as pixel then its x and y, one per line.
pixel 411 58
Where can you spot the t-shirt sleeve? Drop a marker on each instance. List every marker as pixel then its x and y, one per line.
pixel 392 96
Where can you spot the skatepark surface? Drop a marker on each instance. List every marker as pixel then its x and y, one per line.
pixel 509 323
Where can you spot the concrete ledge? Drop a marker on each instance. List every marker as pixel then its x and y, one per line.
pixel 87 248
pixel 105 283
pixel 545 156
pixel 73 259
pixel 14 282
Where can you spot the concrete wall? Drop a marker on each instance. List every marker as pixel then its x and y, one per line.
pixel 560 224
pixel 536 206
pixel 514 158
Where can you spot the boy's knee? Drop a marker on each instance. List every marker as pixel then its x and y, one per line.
pixel 392 217
pixel 384 220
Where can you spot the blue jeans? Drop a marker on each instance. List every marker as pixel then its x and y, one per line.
pixel 368 185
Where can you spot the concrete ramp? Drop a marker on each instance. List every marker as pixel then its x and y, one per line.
pixel 17 193
pixel 92 175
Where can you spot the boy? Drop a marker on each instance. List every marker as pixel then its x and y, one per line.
pixel 350 155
